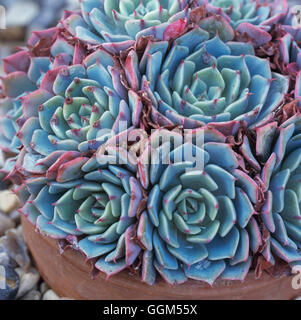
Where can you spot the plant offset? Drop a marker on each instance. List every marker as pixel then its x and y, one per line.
pixel 108 83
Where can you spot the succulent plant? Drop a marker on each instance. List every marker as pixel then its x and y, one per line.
pixel 255 12
pixel 198 223
pixel 76 108
pixel 9 142
pixel 90 205
pixel 201 81
pixel 25 79
pixel 106 21
pixel 252 20
pixel 280 214
pixel 78 97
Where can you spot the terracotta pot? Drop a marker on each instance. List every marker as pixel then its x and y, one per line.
pixel 69 276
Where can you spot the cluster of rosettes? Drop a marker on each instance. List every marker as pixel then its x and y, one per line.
pixel 163 137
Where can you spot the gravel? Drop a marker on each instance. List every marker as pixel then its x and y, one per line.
pixel 18 274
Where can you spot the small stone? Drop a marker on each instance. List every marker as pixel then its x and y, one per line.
pixel 20 233
pixel 21 13
pixel 9 283
pixel 32 295
pixel 44 287
pixel 15 247
pixel 50 295
pixel 5 224
pixel 20 272
pixel 4 259
pixel 15 216
pixel 8 201
pixel 28 282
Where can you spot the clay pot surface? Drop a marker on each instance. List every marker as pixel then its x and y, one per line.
pixel 69 275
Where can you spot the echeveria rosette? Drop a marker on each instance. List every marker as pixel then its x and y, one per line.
pixel 27 74
pixel 200 80
pixel 9 113
pixel 251 19
pixel 198 224
pixel 254 12
pixel 87 104
pixel 107 21
pixel 89 205
pixel 280 176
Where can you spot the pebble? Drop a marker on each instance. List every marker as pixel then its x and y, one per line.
pixel 32 295
pixel 20 271
pixel 50 295
pixel 21 13
pixel 28 282
pixel 5 223
pixel 16 248
pixel 4 259
pixel 9 283
pixel 15 216
pixel 44 287
pixel 19 233
pixel 8 201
